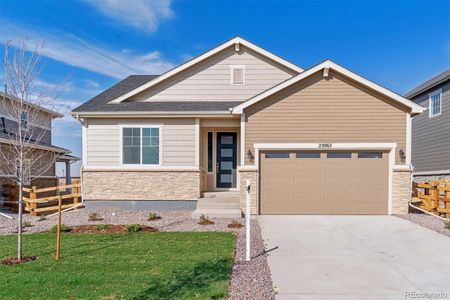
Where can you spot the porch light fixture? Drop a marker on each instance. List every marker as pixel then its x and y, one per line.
pixel 250 155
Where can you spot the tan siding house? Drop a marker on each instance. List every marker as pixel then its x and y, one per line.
pixel 239 114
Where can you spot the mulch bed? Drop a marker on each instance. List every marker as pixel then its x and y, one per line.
pixel 235 225
pixel 14 261
pixel 109 229
pixel 206 222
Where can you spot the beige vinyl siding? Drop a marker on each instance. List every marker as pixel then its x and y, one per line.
pixel 430 149
pixel 103 140
pixel 211 79
pixel 335 110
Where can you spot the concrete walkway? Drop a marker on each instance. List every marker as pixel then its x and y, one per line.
pixel 355 257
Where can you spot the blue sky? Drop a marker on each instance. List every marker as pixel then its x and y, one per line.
pixel 91 44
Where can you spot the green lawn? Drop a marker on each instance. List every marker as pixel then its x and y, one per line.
pixel 163 265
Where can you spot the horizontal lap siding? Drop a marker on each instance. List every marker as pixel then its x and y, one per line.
pixel 319 110
pixel 431 136
pixel 103 141
pixel 210 80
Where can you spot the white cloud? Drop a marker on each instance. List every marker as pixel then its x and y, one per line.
pixel 75 51
pixel 91 83
pixel 141 14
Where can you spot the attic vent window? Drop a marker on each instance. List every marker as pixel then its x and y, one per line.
pixel 237 75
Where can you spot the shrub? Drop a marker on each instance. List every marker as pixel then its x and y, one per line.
pixel 153 216
pixel 64 228
pixel 447 224
pixel 93 216
pixel 203 220
pixel 133 227
pixel 27 224
pixel 42 218
pixel 101 226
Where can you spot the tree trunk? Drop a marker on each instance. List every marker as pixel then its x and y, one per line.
pixel 19 231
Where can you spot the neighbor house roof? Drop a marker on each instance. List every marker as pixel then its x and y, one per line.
pixel 100 103
pixel 328 64
pixel 431 83
pixel 236 42
pixel 51 112
pixel 5 139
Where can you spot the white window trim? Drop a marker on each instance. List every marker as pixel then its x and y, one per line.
pixel 141 165
pixel 430 110
pixel 232 67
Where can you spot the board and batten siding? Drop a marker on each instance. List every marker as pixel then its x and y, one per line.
pixel 430 149
pixel 335 110
pixel 211 79
pixel 103 140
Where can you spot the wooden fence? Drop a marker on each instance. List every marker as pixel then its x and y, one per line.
pixel 433 196
pixel 70 196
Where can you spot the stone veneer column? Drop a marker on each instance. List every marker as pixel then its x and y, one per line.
pixel 249 173
pixel 401 191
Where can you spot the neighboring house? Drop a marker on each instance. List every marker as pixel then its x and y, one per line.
pixel 431 130
pixel 318 141
pixel 41 139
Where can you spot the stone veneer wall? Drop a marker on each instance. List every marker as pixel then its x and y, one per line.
pixel 401 191
pixel 247 173
pixel 141 185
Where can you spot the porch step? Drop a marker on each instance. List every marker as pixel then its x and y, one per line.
pixel 217 213
pixel 218 205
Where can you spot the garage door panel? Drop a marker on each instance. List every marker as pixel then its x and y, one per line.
pixel 325 185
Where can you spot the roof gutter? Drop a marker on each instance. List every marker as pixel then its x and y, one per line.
pixel 222 113
pixel 42 147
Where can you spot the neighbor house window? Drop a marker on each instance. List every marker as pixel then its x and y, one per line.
pixel 435 106
pixel 210 152
pixel 24 119
pixel 141 146
pixel 237 75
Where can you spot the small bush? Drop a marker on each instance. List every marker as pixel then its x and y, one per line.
pixel 27 224
pixel 42 218
pixel 447 224
pixel 153 216
pixel 203 220
pixel 64 228
pixel 133 227
pixel 101 226
pixel 93 216
pixel 235 224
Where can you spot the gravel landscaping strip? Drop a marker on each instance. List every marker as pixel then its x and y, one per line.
pixel 427 221
pixel 249 280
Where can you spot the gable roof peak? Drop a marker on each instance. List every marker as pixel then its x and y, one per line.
pixel 205 56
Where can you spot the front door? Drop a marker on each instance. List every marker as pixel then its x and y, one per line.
pixel 226 160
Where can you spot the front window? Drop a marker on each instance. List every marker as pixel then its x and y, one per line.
pixel 435 103
pixel 140 145
pixel 24 119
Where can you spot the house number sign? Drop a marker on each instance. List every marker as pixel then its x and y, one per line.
pixel 325 145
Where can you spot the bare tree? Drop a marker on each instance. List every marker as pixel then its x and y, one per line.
pixel 25 153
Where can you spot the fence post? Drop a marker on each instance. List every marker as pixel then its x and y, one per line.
pixel 33 204
pixel 247 220
pixel 58 236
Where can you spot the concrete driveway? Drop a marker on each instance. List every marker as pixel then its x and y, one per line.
pixel 355 257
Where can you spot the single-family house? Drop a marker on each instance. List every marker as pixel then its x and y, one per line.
pixel 324 140
pixel 431 130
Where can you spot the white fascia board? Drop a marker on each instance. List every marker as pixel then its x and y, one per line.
pixel 415 108
pixel 204 56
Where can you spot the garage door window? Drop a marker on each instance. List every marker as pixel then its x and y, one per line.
pixel 277 155
pixel 307 154
pixel 370 155
pixel 339 155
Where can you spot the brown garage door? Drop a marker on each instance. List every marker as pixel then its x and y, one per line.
pixel 334 182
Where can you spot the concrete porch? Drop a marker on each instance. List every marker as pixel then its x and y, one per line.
pixel 223 204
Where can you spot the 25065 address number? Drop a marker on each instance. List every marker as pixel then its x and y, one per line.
pixel 325 145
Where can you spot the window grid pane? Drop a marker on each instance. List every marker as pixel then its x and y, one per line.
pixel 131 146
pixel 150 146
pixel 435 104
pixel 135 145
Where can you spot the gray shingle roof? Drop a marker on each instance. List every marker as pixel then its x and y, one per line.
pixel 444 76
pixel 100 102
pixel 6 136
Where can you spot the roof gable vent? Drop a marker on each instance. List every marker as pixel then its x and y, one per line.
pixel 237 75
